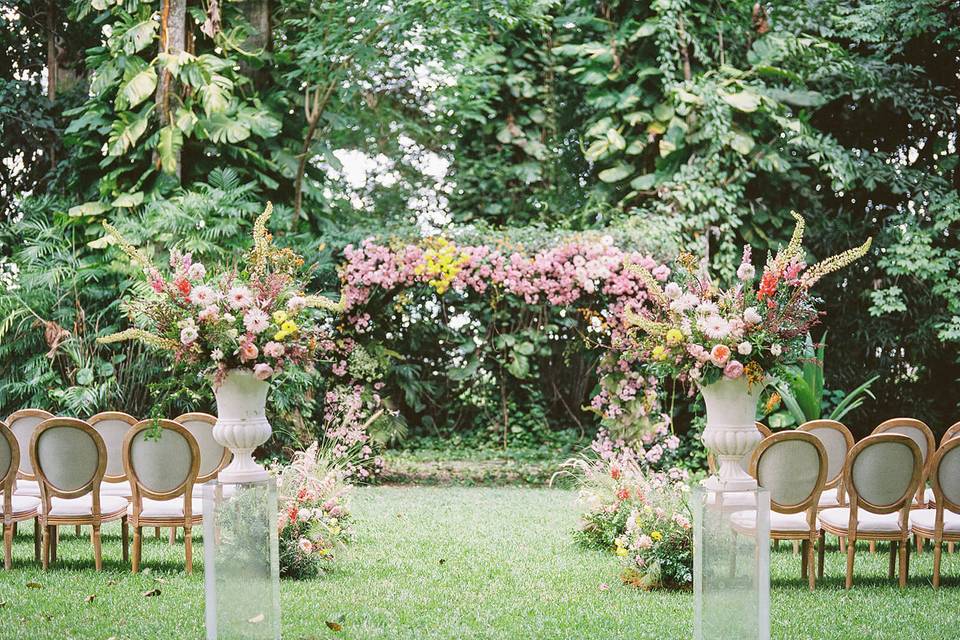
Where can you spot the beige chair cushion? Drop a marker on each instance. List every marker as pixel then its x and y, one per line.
pixel 790 522
pixel 121 489
pixel 167 508
pixel 22 505
pixel 929 497
pixel 27 488
pixel 828 499
pixel 83 506
pixel 926 519
pixel 867 522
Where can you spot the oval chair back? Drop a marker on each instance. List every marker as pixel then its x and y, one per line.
pixel 69 459
pixel 921 434
pixel 951 433
pixel 9 464
pixel 837 442
pixel 213 455
pixel 22 423
pixel 112 427
pixel 792 466
pixel 163 468
pixel 945 475
pixel 882 473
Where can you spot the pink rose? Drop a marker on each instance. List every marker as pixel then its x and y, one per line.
pixel 262 371
pixel 734 369
pixel 273 350
pixel 719 354
pixel 248 351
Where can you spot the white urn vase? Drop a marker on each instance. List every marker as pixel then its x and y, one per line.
pixel 731 431
pixel 241 423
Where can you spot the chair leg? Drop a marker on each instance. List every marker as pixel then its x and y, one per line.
pixel 137 548
pixel 937 551
pixel 173 535
pixel 873 546
pixel 811 573
pixel 46 547
pixel 188 549
pixel 77 532
pixel 904 548
pixel 893 559
pixel 821 549
pixel 843 544
pixel 37 535
pixel 8 546
pixel 125 533
pixel 54 541
pixel 796 547
pixel 97 550
pixel 919 543
pixel 156 532
pixel 803 559
pixel 949 547
pixel 776 544
pixel 851 550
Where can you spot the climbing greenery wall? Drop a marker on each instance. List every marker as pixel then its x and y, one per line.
pixel 697 124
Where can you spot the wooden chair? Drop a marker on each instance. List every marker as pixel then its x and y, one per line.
pixel 837 442
pixel 951 433
pixel 15 508
pixel 69 459
pixel 923 436
pixel 112 427
pixel 213 455
pixel 881 477
pixel 792 466
pixel 162 473
pixel 22 423
pixel 942 523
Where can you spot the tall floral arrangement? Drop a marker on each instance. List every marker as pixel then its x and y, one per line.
pixel 696 331
pixel 250 316
pixel 314 512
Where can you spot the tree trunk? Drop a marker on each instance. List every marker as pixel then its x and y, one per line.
pixel 173 39
pixel 60 76
pixel 257 13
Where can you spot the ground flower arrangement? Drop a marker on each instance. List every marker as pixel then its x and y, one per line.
pixel 637 508
pixel 313 522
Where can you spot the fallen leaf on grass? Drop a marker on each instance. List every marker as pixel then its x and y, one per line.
pixel 90 598
pixel 334 626
pixel 257 618
pixel 442 560
pixel 3 603
pixel 151 593
pixel 111 583
pixel 34 585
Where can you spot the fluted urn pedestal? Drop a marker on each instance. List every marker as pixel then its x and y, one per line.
pixel 731 431
pixel 242 424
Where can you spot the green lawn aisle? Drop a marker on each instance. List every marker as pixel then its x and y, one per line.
pixel 508 571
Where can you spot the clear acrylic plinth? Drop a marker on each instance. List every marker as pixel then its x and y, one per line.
pixel 731 566
pixel 241 561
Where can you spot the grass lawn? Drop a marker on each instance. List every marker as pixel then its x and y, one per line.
pixel 458 563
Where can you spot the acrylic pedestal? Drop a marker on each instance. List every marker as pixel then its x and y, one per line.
pixel 731 569
pixel 241 561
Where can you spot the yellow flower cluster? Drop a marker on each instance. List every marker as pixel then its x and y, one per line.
pixel 442 261
pixel 287 326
